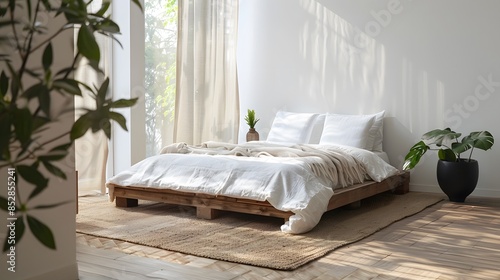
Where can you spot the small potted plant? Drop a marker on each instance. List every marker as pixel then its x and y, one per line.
pixel 252 134
pixel 457 176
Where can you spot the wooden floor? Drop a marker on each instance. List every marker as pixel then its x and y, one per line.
pixel 445 241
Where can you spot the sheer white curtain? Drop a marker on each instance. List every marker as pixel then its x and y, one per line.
pixel 207 101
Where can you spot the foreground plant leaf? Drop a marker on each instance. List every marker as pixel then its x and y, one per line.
pixel 33 176
pixel 22 144
pixel 54 170
pixel 41 232
pixel 87 44
pixel 80 127
pixel 47 57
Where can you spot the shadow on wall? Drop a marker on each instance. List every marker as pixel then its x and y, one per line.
pixel 396 139
pixel 341 62
pixel 345 71
pixel 361 57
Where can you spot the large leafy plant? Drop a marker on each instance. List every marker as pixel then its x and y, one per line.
pixel 28 85
pixel 448 145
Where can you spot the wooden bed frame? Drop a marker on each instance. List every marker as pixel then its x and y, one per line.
pixel 208 206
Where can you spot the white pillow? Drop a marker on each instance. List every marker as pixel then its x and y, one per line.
pixel 349 130
pixel 317 129
pixel 291 127
pixel 377 133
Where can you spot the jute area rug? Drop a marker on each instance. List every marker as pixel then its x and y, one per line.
pixel 242 238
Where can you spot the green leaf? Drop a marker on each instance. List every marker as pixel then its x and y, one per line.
pixel 24 147
pixel 23 124
pixel 120 119
pixel 439 136
pixel 95 65
pixel 137 3
pixel 46 4
pixel 47 57
pixel 74 11
pixel 34 91
pixel 101 93
pixel 108 26
pixel 116 40
pixel 41 232
pixel 4 85
pixel 482 140
pixel 54 169
pixel 87 44
pixel 20 228
pixel 33 73
pixel 447 155
pixel 123 103
pixel 37 190
pixel 5 124
pixel 3 204
pixel 250 118
pixel 103 9
pixel 28 7
pixel 86 87
pixel 81 126
pixel 64 71
pixel 464 145
pixel 33 176
pixel 12 5
pixel 106 127
pixel 68 85
pixel 414 155
pixel 15 82
pixel 44 100
pixel 99 118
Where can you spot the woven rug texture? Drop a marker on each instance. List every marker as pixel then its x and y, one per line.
pixel 243 238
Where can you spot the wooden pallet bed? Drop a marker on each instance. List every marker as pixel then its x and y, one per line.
pixel 208 206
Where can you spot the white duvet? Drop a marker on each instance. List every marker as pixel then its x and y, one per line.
pixel 286 183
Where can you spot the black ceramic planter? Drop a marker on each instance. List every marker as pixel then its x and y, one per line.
pixel 457 179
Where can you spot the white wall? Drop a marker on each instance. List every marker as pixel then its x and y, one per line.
pixel 424 62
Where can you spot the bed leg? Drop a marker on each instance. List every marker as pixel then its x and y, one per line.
pixel 354 205
pixel 206 213
pixel 126 202
pixel 403 186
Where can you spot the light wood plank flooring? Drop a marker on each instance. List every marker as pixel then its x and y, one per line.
pixel 445 241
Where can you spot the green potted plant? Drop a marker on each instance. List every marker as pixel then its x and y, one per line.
pixel 252 134
pixel 457 176
pixel 30 82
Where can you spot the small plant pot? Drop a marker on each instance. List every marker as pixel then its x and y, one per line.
pixel 252 135
pixel 457 179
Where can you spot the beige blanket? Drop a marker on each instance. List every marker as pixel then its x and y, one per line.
pixel 333 164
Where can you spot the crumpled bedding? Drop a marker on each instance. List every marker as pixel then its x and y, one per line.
pixel 335 165
pixel 296 178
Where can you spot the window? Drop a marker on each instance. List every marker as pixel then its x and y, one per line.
pixel 160 72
